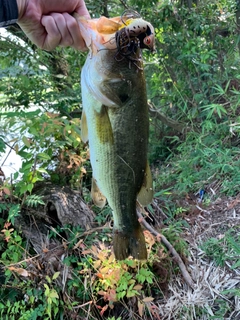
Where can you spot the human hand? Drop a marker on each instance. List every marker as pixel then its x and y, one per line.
pixel 49 23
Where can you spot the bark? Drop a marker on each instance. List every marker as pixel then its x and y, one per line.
pixel 63 206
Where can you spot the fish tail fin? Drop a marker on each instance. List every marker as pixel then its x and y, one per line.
pixel 129 244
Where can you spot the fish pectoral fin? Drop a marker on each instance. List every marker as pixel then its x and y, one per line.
pixel 145 194
pixel 107 26
pixel 104 128
pixel 84 127
pixel 98 198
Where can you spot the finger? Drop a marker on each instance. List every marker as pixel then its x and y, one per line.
pixel 82 10
pixel 61 23
pixel 53 37
pixel 74 31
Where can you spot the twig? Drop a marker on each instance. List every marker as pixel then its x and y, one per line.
pixel 178 126
pixel 124 4
pixel 83 305
pixel 11 148
pixel 205 211
pixel 161 238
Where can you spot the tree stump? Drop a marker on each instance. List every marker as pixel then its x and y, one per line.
pixel 63 206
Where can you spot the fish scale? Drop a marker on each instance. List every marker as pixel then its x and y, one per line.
pixel 116 124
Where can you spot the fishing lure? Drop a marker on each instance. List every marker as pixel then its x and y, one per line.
pixel 133 34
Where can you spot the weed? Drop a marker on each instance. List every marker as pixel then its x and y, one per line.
pixel 225 248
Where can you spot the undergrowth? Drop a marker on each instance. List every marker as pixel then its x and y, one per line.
pixel 209 161
pixel 84 278
pixel 224 250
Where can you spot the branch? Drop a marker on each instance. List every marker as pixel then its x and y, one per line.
pixel 178 126
pixel 176 256
pixel 11 148
pixel 124 4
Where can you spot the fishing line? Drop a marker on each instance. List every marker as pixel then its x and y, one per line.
pixel 128 167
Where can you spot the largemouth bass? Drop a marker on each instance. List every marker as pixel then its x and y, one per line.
pixel 115 121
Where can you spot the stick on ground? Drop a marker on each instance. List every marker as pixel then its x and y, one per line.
pixel 161 238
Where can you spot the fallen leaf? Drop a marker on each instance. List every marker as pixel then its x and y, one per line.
pixel 148 299
pixel 138 287
pixel 22 272
pixel 140 308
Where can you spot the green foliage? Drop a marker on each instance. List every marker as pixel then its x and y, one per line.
pixel 207 156
pixel 34 200
pixel 193 79
pixel 52 297
pixel 12 209
pixel 38 131
pixel 116 280
pixel 173 234
pixel 224 248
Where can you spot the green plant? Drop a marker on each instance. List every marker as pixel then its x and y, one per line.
pixel 173 234
pixel 226 248
pixel 232 292
pixel 193 80
pixel 52 305
pixel 15 245
pixel 34 200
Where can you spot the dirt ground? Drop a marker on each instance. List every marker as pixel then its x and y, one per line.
pixel 207 221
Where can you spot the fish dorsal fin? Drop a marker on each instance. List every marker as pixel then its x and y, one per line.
pixel 145 194
pixel 84 127
pixel 98 198
pixel 107 26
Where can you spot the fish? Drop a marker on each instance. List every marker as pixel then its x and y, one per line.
pixel 115 122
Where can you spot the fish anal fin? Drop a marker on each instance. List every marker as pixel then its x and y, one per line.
pixel 98 198
pixel 84 127
pixel 107 26
pixel 145 194
pixel 129 244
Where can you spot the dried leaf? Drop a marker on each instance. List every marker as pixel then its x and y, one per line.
pixel 97 264
pixel 140 308
pixel 7 225
pixel 102 255
pixel 86 251
pixel 150 239
pixel 105 270
pixel 148 299
pixel 138 287
pixel 103 309
pixel 77 245
pixel 7 191
pixel 111 258
pixel 22 272
pixel 94 250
